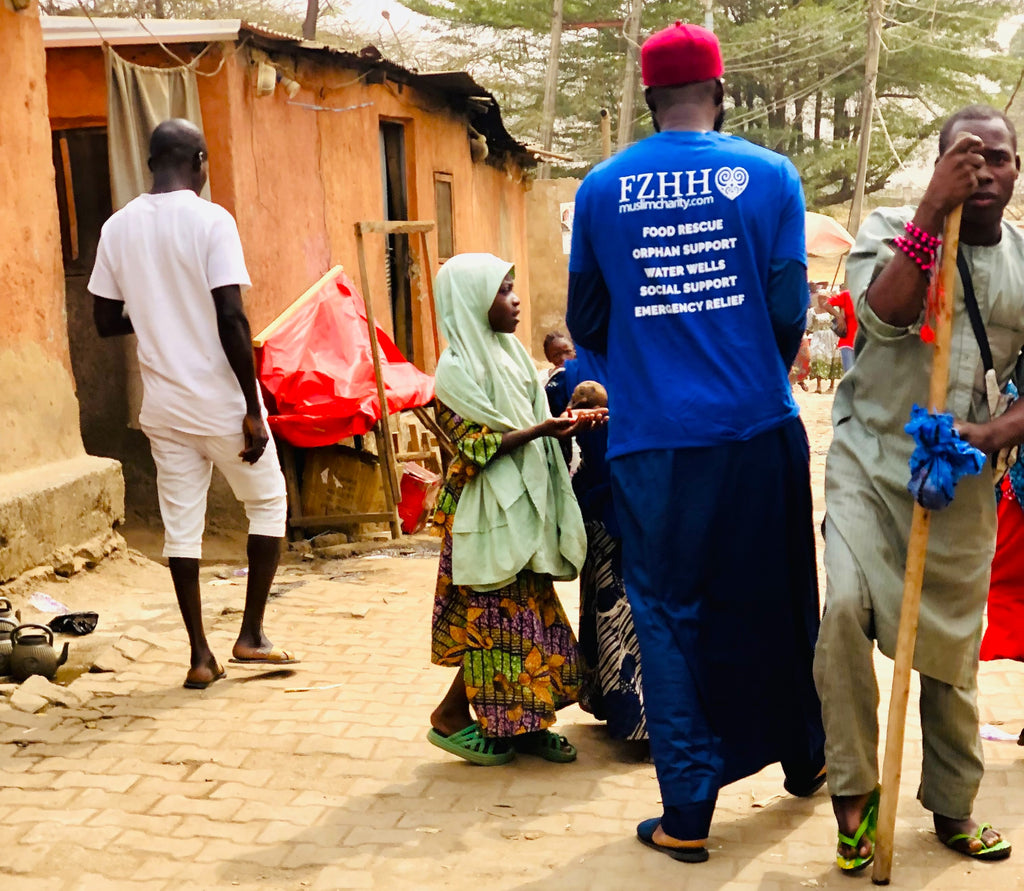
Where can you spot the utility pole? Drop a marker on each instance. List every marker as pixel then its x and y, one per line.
pixel 867 101
pixel 309 23
pixel 709 15
pixel 625 135
pixel 547 123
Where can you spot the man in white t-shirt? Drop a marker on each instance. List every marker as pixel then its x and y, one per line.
pixel 169 267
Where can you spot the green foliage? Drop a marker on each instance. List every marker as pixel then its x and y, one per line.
pixel 794 71
pixel 794 68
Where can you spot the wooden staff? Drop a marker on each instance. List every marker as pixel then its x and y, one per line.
pixel 917 549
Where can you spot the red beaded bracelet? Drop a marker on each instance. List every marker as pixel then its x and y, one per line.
pixel 924 258
pixel 926 239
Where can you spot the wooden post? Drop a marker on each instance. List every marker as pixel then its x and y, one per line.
pixel 606 134
pixel 547 118
pixel 626 103
pixel 428 281
pixel 387 456
pixel 867 105
pixel 917 550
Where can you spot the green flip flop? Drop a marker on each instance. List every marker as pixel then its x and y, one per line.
pixel 961 843
pixel 547 745
pixel 868 829
pixel 471 745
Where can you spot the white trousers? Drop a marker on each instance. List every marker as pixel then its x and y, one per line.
pixel 184 466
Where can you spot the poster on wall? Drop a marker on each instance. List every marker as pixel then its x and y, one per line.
pixel 566 210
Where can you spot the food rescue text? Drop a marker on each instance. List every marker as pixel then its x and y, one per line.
pixel 684 279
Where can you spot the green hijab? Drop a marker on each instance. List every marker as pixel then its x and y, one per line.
pixel 519 512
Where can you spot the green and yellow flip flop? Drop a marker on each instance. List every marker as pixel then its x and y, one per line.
pixel 963 843
pixel 868 829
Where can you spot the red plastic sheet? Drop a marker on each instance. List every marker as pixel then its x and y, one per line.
pixel 317 370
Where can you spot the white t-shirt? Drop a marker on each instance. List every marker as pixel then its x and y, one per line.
pixel 162 255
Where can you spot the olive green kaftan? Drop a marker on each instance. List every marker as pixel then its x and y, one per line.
pixel 867 470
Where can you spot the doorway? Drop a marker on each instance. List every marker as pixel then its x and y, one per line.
pixel 82 175
pixel 398 260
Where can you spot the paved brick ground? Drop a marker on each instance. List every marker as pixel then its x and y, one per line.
pixel 146 785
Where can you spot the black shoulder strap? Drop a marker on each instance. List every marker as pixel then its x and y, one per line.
pixel 971 302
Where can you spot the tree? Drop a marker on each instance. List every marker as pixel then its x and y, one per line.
pixel 794 74
pixel 794 70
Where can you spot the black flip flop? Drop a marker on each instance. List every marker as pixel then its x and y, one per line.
pixel 645 832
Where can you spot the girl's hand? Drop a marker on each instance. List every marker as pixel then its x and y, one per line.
pixel 579 420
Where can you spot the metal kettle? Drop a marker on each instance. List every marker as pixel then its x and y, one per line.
pixel 32 653
pixel 6 627
pixel 7 610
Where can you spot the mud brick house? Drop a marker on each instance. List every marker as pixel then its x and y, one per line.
pixel 305 140
pixel 53 496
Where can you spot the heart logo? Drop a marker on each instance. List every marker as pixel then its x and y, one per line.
pixel 731 181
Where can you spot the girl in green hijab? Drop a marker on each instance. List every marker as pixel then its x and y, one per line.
pixel 516 529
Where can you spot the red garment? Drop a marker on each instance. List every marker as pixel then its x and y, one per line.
pixel 845 303
pixel 1004 637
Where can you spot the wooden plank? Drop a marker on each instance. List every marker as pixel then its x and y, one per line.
pixel 387 466
pixel 394 227
pixel 423 415
pixel 69 195
pixel 293 308
pixel 429 282
pixel 338 520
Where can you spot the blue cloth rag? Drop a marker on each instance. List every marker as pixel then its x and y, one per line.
pixel 940 458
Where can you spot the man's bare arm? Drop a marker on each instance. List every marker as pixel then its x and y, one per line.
pixel 898 294
pixel 236 339
pixel 109 317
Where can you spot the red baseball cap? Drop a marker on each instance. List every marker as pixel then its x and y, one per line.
pixel 680 54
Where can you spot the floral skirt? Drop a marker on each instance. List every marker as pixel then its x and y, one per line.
pixel 518 654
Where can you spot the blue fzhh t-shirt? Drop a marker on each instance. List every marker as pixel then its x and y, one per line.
pixel 683 228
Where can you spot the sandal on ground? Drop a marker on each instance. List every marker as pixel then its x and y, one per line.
pixel 964 843
pixel 273 656
pixel 805 787
pixel 868 829
pixel 471 745
pixel 547 745
pixel 218 673
pixel 645 832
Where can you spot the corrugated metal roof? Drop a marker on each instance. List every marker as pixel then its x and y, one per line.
pixel 73 30
pixel 460 90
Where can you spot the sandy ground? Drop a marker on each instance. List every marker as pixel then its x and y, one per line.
pixel 318 775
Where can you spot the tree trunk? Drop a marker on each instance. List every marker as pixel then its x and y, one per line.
pixel 625 134
pixel 798 122
pixel 309 25
pixel 817 113
pixel 841 122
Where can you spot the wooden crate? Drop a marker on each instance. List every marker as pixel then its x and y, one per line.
pixel 341 480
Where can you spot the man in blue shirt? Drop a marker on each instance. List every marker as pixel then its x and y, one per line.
pixel 688 270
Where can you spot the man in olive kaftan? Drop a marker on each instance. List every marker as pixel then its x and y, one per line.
pixel 869 508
